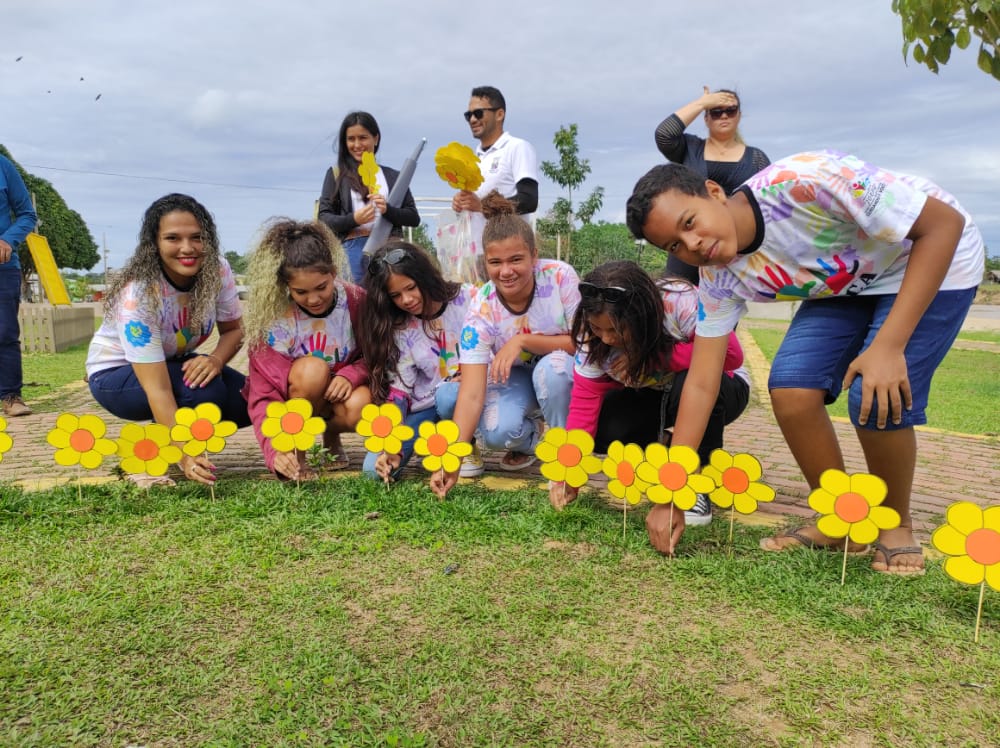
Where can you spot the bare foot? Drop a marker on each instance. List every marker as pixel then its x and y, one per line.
pixel 331 440
pixel 809 537
pixel 897 552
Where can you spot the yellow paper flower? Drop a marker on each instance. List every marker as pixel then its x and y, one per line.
pixel 850 505
pixel 5 441
pixel 735 477
pixel 439 442
pixel 146 449
pixel 972 538
pixel 291 425
pixel 201 429
pixel 671 473
pixel 620 466
pixel 80 441
pixel 368 171
pixel 383 426
pixel 458 165
pixel 567 456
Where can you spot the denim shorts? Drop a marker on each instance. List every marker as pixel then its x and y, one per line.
pixel 826 335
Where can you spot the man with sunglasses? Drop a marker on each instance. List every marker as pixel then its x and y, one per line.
pixel 508 164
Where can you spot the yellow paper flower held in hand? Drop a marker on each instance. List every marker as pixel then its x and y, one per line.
pixel 80 441
pixel 5 441
pixel 290 425
pixel 368 171
pixel 736 478
pixel 850 505
pixel 439 442
pixel 147 449
pixel 567 456
pixel 620 466
pixel 672 477
pixel 972 538
pixel 382 425
pixel 201 429
pixel 458 165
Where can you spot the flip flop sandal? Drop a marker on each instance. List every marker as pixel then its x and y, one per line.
pixel 804 541
pixel 890 553
pixel 514 461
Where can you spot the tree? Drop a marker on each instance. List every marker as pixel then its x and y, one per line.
pixel 421 237
pixel 597 243
pixel 237 262
pixel 570 173
pixel 932 27
pixel 68 236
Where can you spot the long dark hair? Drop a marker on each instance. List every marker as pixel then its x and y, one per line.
pixel 380 317
pixel 638 320
pixel 347 165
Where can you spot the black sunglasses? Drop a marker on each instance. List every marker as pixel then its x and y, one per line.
pixel 732 111
pixel 392 257
pixel 478 113
pixel 607 294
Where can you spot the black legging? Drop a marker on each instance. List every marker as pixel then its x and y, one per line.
pixel 633 416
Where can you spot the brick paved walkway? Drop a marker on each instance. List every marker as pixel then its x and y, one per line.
pixel 951 467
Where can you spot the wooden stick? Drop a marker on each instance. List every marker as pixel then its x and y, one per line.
pixel 671 525
pixel 624 516
pixel 732 521
pixel 979 611
pixel 843 570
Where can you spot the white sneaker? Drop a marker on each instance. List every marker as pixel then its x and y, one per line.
pixel 701 513
pixel 472 464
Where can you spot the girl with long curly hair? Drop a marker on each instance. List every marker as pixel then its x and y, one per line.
pixel 411 322
pixel 171 294
pixel 634 340
pixel 516 349
pixel 302 336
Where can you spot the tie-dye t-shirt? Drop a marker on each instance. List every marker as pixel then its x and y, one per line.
pixel 832 224
pixel 134 334
pixel 680 307
pixel 330 338
pixel 489 324
pixel 428 350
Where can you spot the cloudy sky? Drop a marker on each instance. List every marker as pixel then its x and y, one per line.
pixel 238 103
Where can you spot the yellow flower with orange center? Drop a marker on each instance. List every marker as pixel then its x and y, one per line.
pixel 736 478
pixel 621 466
pixel 850 505
pixel 80 441
pixel 383 427
pixel 439 443
pixel 458 165
pixel 971 537
pixel 201 429
pixel 290 425
pixel 671 473
pixel 567 456
pixel 5 441
pixel 147 449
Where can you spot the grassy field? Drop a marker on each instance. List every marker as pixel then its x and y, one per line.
pixel 344 614
pixel 964 394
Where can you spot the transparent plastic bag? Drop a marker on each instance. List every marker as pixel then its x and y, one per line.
pixel 458 249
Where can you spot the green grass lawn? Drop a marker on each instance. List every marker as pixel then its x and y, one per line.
pixel 44 373
pixel 965 392
pixel 282 616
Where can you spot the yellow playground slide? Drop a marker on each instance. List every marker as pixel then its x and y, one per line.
pixel 48 273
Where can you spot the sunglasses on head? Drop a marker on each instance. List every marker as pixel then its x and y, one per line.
pixel 478 113
pixel 731 111
pixel 607 294
pixel 392 257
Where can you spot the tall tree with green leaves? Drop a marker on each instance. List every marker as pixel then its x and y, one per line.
pixel 570 173
pixel 932 27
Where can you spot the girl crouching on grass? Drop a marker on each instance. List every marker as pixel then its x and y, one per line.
pixel 302 336
pixel 634 341
pixel 411 322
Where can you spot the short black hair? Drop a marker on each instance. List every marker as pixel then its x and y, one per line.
pixel 655 182
pixel 491 94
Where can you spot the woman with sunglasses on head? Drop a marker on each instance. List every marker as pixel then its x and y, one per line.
pixel 346 205
pixel 301 326
pixel 516 350
pixel 410 326
pixel 722 157
pixel 173 291
pixel 634 340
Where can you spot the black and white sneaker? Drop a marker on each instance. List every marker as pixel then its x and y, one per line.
pixel 701 513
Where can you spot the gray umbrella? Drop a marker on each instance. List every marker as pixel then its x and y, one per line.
pixel 382 227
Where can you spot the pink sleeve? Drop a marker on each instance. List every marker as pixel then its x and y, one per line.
pixel 680 356
pixel 266 382
pixel 585 401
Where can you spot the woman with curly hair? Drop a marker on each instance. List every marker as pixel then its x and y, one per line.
pixel 411 322
pixel 165 303
pixel 634 340
pixel 302 335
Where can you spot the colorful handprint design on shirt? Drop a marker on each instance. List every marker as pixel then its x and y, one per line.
pixel 315 345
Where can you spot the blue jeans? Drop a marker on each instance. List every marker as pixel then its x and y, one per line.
pixel 357 258
pixel 10 330
pixel 507 419
pixel 413 420
pixel 118 391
